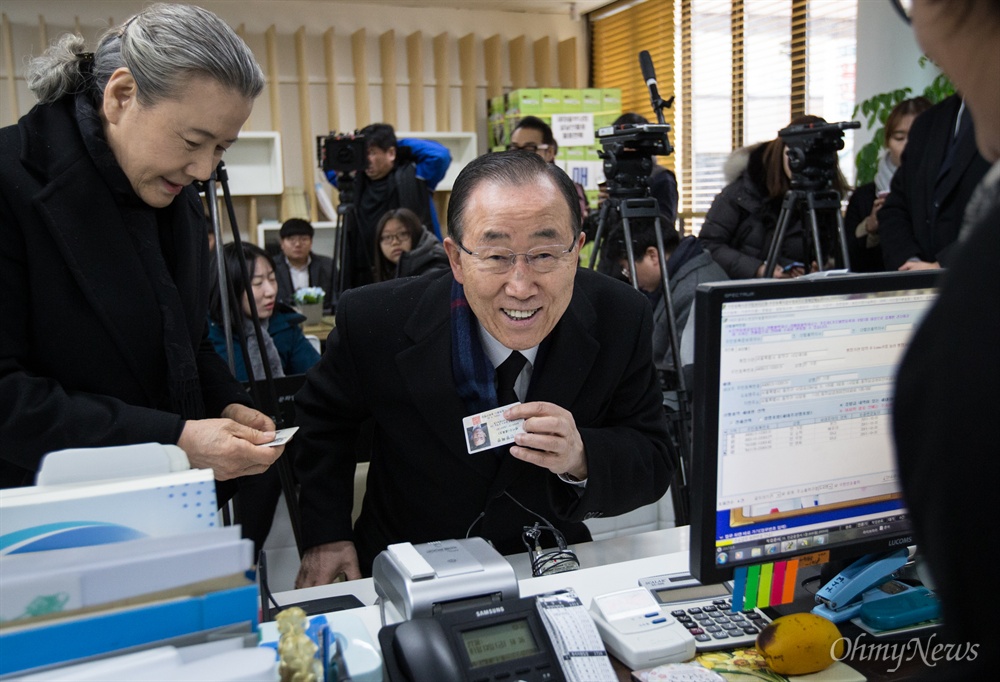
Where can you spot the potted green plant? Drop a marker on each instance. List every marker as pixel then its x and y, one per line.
pixel 875 111
pixel 309 301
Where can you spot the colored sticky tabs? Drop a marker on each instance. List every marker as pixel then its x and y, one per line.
pixel 764 585
pixel 791 573
pixel 739 588
pixel 753 579
pixel 778 583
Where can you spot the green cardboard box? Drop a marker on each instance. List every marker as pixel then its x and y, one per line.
pixel 552 101
pixel 572 101
pixel 591 99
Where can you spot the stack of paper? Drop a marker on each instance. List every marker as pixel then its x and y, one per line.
pixel 87 569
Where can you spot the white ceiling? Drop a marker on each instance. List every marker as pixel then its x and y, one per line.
pixel 578 8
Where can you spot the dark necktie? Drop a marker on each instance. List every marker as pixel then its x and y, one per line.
pixel 507 374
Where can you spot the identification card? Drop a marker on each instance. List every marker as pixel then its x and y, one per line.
pixel 281 436
pixel 489 429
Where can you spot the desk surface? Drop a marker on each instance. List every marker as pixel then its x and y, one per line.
pixel 605 566
pixel 322 330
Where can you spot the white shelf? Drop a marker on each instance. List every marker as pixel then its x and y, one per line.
pixel 254 164
pixel 461 145
pixel 323 240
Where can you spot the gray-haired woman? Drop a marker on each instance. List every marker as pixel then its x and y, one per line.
pixel 103 261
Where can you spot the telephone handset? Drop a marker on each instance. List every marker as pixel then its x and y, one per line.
pixel 423 652
pixel 549 638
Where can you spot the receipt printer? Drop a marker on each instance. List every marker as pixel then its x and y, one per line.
pixel 437 577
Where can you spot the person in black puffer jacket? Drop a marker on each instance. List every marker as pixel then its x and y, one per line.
pixel 740 225
pixel 405 248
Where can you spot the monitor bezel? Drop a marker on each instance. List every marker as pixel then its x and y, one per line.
pixel 705 400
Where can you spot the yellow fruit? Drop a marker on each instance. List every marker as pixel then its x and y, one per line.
pixel 800 643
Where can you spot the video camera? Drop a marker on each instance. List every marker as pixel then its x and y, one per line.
pixel 812 152
pixel 342 152
pixel 628 152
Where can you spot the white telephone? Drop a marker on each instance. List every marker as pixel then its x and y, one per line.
pixel 638 632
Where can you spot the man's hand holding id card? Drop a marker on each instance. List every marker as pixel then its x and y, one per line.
pixel 489 429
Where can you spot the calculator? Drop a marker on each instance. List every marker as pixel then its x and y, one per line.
pixel 705 610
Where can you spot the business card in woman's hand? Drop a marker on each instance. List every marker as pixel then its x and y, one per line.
pixel 281 437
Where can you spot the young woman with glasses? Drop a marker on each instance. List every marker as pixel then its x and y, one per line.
pixel 404 248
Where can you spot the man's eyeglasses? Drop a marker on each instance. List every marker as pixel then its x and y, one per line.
pixel 397 238
pixel 530 147
pixel 905 9
pixel 297 239
pixel 497 259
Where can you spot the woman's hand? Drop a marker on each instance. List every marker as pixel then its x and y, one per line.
pixel 231 446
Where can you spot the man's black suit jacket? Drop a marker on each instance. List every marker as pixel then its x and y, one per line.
pixel 910 226
pixel 389 359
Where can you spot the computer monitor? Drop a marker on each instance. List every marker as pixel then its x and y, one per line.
pixel 792 417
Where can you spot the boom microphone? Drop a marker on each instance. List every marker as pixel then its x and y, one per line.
pixel 649 75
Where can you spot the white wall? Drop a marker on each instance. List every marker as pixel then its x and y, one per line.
pixel 255 17
pixel 888 56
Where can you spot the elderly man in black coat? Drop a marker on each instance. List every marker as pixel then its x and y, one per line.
pixel 416 356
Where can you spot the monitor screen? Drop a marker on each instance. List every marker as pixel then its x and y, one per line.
pixel 792 405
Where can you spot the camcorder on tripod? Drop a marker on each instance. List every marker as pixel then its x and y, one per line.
pixel 345 154
pixel 812 159
pixel 628 151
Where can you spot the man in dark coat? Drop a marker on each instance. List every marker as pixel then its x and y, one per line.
pixel 416 356
pixel 310 269
pixel 920 220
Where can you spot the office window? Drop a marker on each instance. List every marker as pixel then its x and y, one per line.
pixel 620 32
pixel 744 70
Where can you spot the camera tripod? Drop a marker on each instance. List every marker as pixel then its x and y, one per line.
pixel 268 402
pixel 341 256
pixel 806 202
pixel 646 208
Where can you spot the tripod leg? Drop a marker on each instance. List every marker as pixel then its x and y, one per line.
pixel 784 218
pixel 814 231
pixel 599 236
pixel 842 236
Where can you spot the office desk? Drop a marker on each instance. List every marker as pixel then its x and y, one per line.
pixel 607 566
pixel 322 330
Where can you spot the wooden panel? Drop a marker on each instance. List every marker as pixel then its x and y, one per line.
pixel 567 64
pixel 271 46
pixel 517 50
pixel 543 64
pixel 442 78
pixel 43 32
pixel 307 148
pixel 493 60
pixel 387 51
pixel 467 74
pixel 8 61
pixel 362 108
pixel 332 105
pixel 241 32
pixel 415 73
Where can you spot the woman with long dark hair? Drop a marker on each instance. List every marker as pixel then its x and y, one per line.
pixel 741 223
pixel 286 348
